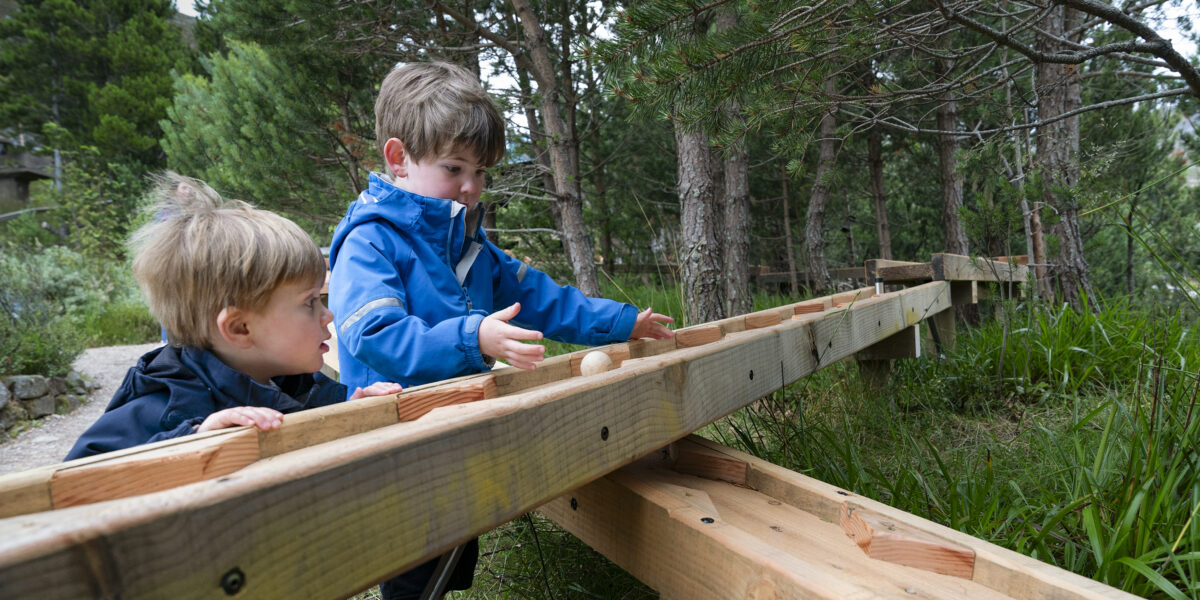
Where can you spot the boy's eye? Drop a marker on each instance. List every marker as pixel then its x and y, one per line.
pixel 453 168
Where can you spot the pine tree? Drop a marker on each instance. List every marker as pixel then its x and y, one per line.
pixel 100 71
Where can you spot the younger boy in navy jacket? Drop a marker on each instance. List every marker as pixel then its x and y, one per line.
pixel 418 291
pixel 237 290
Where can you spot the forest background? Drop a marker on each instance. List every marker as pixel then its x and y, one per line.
pixel 659 151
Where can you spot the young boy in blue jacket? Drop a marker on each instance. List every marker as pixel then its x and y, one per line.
pixel 418 291
pixel 237 291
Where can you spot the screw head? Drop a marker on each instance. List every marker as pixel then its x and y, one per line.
pixel 233 581
pixel 751 374
pixel 706 520
pixel 574 504
pixel 604 433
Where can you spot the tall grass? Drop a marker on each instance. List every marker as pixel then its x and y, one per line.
pixel 1078 449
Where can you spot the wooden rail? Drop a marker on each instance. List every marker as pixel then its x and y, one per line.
pixel 378 501
pixel 342 497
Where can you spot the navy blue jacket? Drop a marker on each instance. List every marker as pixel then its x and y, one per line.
pixel 172 390
pixel 412 278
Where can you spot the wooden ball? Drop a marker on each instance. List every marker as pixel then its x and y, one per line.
pixel 596 361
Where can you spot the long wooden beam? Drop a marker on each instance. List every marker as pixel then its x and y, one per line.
pixel 172 463
pixel 947 267
pixel 326 520
pixel 755 530
pixel 955 267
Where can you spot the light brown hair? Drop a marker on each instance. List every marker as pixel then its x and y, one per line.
pixel 437 108
pixel 200 253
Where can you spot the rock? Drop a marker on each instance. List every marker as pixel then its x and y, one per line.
pixel 40 407
pixel 57 386
pixel 67 403
pixel 5 396
pixel 26 387
pixel 11 414
pixel 76 383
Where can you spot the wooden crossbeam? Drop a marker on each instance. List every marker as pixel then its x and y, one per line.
pixel 896 271
pixel 955 267
pixel 377 502
pixel 755 530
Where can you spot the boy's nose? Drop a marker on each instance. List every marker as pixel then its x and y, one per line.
pixel 326 316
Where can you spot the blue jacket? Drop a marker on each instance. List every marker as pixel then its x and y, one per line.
pixel 412 278
pixel 172 390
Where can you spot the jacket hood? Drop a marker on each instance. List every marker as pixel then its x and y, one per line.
pixel 424 216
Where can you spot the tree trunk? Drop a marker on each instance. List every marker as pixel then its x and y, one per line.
pixel 789 244
pixel 875 164
pixel 951 180
pixel 814 226
pixel 1058 155
pixel 700 264
pixel 736 251
pixel 735 202
pixel 563 150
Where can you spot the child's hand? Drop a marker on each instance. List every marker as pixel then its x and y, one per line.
pixel 502 341
pixel 649 324
pixel 259 416
pixel 379 388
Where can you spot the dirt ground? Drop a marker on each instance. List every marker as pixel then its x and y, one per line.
pixel 50 440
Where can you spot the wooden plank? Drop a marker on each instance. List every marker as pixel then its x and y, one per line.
pixel 698 335
pixel 161 469
pixel 414 405
pixel 905 273
pixel 387 499
pixel 1004 571
pixel 693 459
pixel 763 319
pixel 872 266
pixel 887 540
pixel 26 492
pixel 29 491
pixel 311 427
pixel 747 541
pixel 955 267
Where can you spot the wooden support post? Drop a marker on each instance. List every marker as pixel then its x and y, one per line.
pixel 755 530
pixel 964 292
pixel 941 326
pixel 875 362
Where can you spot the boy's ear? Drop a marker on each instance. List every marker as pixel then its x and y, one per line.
pixel 233 327
pixel 394 154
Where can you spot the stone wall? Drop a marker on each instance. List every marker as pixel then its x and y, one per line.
pixel 24 398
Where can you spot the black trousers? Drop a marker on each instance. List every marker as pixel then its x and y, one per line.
pixel 410 584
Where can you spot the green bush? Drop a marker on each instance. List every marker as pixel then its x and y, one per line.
pixel 36 333
pixel 55 301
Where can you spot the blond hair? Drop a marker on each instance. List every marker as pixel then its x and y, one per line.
pixel 436 108
pixel 200 253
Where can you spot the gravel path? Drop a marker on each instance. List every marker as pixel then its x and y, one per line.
pixel 50 441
